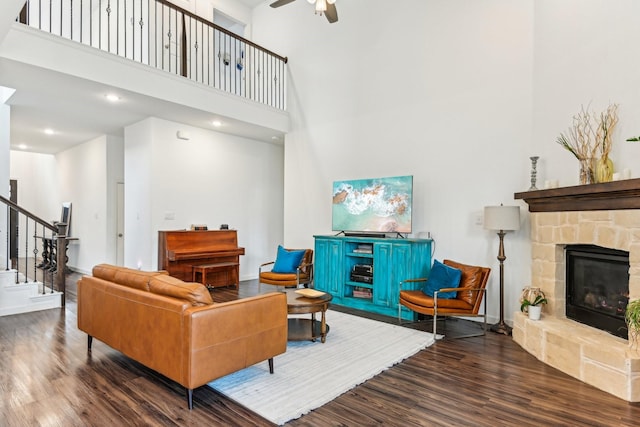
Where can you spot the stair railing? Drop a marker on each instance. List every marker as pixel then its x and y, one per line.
pixel 165 36
pixel 53 240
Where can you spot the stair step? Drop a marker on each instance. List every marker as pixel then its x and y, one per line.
pixel 25 297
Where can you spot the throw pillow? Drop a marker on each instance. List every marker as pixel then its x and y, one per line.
pixel 442 276
pixel 287 261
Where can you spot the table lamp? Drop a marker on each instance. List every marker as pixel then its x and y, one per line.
pixel 503 219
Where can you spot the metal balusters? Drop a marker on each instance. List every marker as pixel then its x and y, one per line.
pixel 179 42
pixel 35 252
pixel 19 219
pixel 26 247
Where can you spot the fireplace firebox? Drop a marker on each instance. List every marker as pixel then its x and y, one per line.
pixel 597 283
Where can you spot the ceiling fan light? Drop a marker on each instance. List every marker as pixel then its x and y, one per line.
pixel 321 5
pixel 311 1
pixel 331 1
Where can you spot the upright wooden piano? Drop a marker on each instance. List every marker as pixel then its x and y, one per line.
pixel 214 254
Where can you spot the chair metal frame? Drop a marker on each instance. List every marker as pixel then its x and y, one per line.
pixel 427 310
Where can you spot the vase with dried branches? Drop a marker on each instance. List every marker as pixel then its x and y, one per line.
pixel 604 165
pixel 588 137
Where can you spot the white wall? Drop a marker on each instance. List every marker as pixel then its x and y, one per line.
pixel 9 10
pixel 211 179
pixel 586 54
pixel 138 177
pixel 5 141
pixel 37 189
pixel 87 174
pixel 438 90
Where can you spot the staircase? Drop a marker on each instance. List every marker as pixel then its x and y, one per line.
pixel 34 275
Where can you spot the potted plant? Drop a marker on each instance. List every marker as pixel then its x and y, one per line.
pixel 532 300
pixel 632 317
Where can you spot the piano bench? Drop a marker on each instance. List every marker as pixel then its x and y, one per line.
pixel 230 268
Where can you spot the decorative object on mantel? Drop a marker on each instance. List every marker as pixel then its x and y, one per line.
pixel 534 162
pixel 531 301
pixel 632 317
pixel 501 218
pixel 606 126
pixel 589 136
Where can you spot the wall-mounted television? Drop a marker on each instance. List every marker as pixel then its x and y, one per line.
pixel 376 205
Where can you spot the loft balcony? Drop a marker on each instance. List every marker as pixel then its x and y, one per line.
pixel 164 36
pixel 60 57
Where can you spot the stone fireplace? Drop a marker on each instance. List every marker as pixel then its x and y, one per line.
pixel 606 215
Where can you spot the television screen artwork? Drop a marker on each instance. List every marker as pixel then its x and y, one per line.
pixel 381 205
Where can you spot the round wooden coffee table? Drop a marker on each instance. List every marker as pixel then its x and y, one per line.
pixel 307 329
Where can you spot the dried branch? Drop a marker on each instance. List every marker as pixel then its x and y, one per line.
pixel 608 121
pixel 590 133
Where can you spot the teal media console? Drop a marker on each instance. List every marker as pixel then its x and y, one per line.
pixel 365 272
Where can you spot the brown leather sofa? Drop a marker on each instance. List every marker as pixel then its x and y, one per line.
pixel 174 327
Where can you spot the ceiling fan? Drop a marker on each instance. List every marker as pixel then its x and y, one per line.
pixel 322 6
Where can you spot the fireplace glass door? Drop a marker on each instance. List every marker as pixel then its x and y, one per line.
pixel 597 281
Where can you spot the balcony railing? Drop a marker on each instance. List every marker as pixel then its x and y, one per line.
pixel 167 37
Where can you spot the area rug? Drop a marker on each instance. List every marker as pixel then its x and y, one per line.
pixel 311 374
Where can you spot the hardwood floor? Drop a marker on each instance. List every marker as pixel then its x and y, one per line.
pixel 48 379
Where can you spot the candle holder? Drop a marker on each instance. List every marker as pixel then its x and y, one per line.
pixel 534 162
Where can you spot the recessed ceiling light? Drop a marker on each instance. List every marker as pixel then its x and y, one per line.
pixel 49 131
pixel 216 123
pixel 112 97
pixel 22 146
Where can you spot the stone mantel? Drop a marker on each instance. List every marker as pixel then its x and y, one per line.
pixel 613 195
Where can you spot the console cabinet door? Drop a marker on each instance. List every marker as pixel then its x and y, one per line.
pixel 328 266
pixel 382 274
pixel 401 260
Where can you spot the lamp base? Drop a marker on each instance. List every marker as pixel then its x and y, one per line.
pixel 501 328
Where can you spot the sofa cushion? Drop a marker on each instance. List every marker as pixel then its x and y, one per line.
pixel 125 276
pixel 442 276
pixel 287 261
pixel 471 278
pixel 195 293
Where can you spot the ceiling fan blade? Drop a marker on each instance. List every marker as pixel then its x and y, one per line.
pixel 331 13
pixel 280 3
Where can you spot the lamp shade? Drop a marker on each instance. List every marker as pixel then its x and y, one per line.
pixel 502 218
